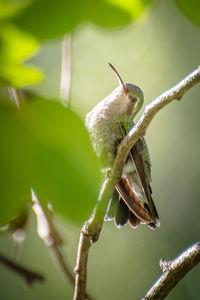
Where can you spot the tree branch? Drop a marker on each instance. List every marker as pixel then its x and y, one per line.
pixel 51 237
pixel 29 276
pixel 173 271
pixel 139 130
pixel 92 228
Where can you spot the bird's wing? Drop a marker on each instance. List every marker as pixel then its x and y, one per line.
pixel 143 167
pixel 146 212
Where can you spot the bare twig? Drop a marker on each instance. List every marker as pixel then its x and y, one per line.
pixel 66 69
pixel 92 228
pixel 45 227
pixel 50 235
pixel 29 276
pixel 59 260
pixel 173 271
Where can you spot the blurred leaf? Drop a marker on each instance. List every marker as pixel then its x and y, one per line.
pixel 16 46
pixel 18 75
pixel 135 8
pixel 49 19
pixel 8 8
pixel 46 147
pixel 190 9
pixel 66 170
pixel 14 171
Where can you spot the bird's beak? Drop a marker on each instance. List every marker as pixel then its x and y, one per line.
pixel 121 83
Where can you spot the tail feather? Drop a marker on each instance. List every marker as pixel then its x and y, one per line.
pixel 125 207
pixel 122 215
pixel 132 201
pixel 133 220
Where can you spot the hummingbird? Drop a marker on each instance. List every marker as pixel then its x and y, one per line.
pixel 108 123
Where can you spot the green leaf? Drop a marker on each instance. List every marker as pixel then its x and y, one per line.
pixel 190 9
pixel 18 75
pixel 46 146
pixel 14 155
pixel 66 170
pixel 8 8
pixel 135 8
pixel 43 19
pixel 16 46
pixel 49 19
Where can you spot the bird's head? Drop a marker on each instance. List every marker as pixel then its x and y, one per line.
pixel 128 96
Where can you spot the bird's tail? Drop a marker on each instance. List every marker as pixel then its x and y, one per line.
pixel 125 207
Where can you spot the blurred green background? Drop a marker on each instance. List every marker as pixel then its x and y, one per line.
pixel 152 46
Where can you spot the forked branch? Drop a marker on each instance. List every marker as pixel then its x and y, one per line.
pixel 92 228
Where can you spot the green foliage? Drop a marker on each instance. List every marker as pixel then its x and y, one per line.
pixel 46 147
pixel 9 8
pixel 16 46
pixel 14 170
pixel 190 9
pixel 55 18
pixel 43 19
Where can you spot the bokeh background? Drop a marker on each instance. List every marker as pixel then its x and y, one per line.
pixel 155 50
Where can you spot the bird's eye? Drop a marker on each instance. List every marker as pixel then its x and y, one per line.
pixel 133 99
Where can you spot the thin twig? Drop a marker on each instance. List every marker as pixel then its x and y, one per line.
pixel 92 228
pixel 59 261
pixel 66 69
pixel 29 276
pixel 50 235
pixel 173 271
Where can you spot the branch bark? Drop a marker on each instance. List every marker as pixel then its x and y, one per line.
pixel 92 228
pixel 173 271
